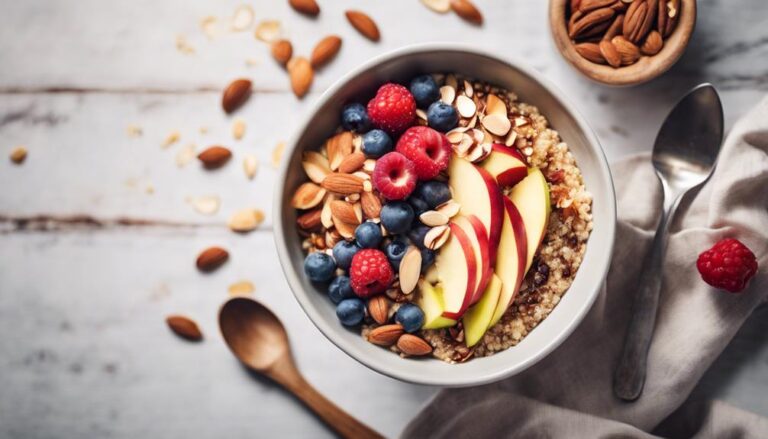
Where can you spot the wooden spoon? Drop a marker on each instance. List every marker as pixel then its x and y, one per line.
pixel 258 339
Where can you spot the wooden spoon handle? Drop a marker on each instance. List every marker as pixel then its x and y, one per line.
pixel 336 418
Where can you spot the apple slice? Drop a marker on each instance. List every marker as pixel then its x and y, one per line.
pixel 510 264
pixel 478 194
pixel 456 269
pixel 477 319
pixel 531 197
pixel 431 302
pixel 506 165
pixel 478 236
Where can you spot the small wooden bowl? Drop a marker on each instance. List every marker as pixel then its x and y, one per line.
pixel 645 69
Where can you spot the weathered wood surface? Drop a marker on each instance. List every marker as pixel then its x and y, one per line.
pixel 90 262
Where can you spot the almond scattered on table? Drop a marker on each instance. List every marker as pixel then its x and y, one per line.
pixel 468 11
pixel 235 95
pixel 211 259
pixel 206 205
pixel 242 19
pixel 439 6
pixel 277 154
pixel 19 154
pixel 250 166
pixel 214 156
pixel 238 129
pixel 301 75
pixel 184 327
pixel 134 131
pixel 282 51
pixel 171 138
pixel 306 7
pixel 325 50
pixel 241 288
pixel 268 31
pixel 363 24
pixel 246 220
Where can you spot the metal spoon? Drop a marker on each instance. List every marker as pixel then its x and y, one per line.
pixel 258 339
pixel 684 157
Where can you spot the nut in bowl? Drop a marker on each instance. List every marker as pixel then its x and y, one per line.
pixel 622 42
pixel 470 238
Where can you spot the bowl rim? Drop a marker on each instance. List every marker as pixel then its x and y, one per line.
pixel 330 332
pixel 646 69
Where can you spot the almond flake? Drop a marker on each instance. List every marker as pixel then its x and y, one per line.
pixel 511 137
pixel 451 81
pixel 468 90
pixel 172 138
pixel 325 215
pixel 450 208
pixel 183 46
pixel 497 124
pixel 455 135
pixel 241 288
pixel 245 220
pixel 479 152
pixel 494 105
pixel 434 218
pixel 307 196
pixel 362 175
pixel 185 155
pixel 251 62
pixel 242 19
pixel 357 142
pixel 520 121
pixel 478 135
pixel 410 270
pixel 369 165
pixel 209 26
pixel 436 237
pixel 367 186
pixel 447 94
pixel 528 151
pixel 238 129
pixel 250 166
pixel 207 204
pixel 268 30
pixel 277 154
pixel 466 106
pixel 315 166
pixel 134 131
pixel 466 143
pixel 439 6
pixel 421 114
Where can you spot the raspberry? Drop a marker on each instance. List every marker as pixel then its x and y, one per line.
pixel 393 109
pixel 370 273
pixel 394 176
pixel 728 265
pixel 428 149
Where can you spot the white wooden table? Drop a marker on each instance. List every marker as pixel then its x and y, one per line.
pixel 97 242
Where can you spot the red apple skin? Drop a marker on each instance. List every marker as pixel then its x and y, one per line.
pixel 496 198
pixel 469 253
pixel 508 150
pixel 485 251
pixel 512 176
pixel 521 238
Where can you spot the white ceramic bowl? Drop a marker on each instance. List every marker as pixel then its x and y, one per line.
pixel 400 66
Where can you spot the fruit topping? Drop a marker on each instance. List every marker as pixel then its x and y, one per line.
pixel 394 176
pixel 728 265
pixel 340 289
pixel 368 235
pixel 350 312
pixel 442 116
pixel 397 217
pixel 393 109
pixel 355 118
pixel 410 317
pixel 376 143
pixel 343 252
pixel 395 251
pixel 424 90
pixel 429 151
pixel 434 193
pixel 370 273
pixel 319 267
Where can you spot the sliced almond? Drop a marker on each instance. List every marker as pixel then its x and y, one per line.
pixel 238 129
pixel 447 94
pixel 378 308
pixel 242 19
pixel 246 220
pixel 18 155
pixel 450 208
pixel 436 237
pixel 184 327
pixel 241 288
pixel 410 344
pixel 385 335
pixel 347 230
pixel 466 106
pixel 185 155
pixel 511 138
pixel 421 114
pixel 310 220
pixel 363 24
pixel 207 205
pixel 344 212
pixel 370 204
pixel 339 146
pixel 497 124
pixel 367 186
pixel 494 105
pixel 250 166
pixel 369 165
pixel 463 147
pixel 479 152
pixel 478 135
pixel 315 166
pixel 439 6
pixel 468 90
pixel 268 31
pixel 170 139
pixel 307 196
pixel 456 134
pixel 451 81
pixel 434 218
pixel 277 154
pixel 410 269
pixel 325 215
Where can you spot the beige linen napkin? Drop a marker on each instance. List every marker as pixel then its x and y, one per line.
pixel 569 393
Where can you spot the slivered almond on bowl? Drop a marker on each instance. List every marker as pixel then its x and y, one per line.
pixel 622 42
pixel 456 237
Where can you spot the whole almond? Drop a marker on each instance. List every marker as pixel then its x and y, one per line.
pixel 352 162
pixel 211 259
pixel 412 345
pixel 344 211
pixel 214 156
pixel 310 220
pixel 468 11
pixel 385 335
pixel 627 50
pixel 344 184
pixel 347 230
pixel 591 52
pixel 616 28
pixel 610 53
pixel 371 205
pixel 307 196
pixel 282 51
pixel 363 24
pixel 306 7
pixel 235 95
pixel 670 9
pixel 184 327
pixel 652 44
pixel 301 74
pixel 18 155
pixel 639 19
pixel 591 23
pixel 378 308
pixel 325 50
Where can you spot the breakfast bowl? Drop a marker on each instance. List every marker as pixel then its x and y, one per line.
pixel 400 66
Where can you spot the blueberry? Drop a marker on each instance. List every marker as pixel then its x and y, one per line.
pixel 368 235
pixel 410 316
pixel 397 217
pixel 340 289
pixel 395 251
pixel 427 259
pixel 343 252
pixel 355 118
pixel 319 267
pixel 433 192
pixel 419 205
pixel 350 311
pixel 417 237
pixel 442 117
pixel 424 90
pixel 376 143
